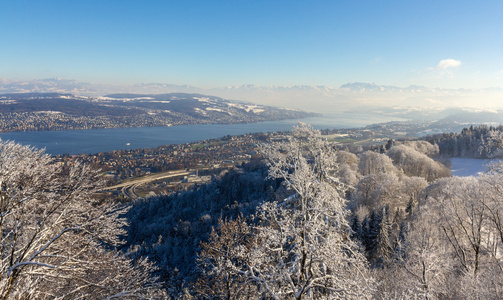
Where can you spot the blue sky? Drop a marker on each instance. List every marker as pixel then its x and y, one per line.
pixel 449 44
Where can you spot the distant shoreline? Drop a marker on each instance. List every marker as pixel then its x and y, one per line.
pixel 109 139
pixel 90 125
pixel 55 112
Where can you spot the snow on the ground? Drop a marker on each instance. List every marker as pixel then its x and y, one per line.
pixel 215 109
pixel 50 112
pixel 198 110
pixel 463 167
pixel 254 108
pixel 248 108
pixel 204 99
pixel 125 99
pixel 7 101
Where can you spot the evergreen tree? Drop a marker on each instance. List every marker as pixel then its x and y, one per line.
pixel 371 238
pixel 365 233
pixel 410 207
pixel 401 245
pixel 356 227
pixel 384 247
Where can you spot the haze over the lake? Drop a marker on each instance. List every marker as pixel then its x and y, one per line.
pixel 312 55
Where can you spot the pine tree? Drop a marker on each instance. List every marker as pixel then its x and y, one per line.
pixel 371 238
pixel 410 207
pixel 401 245
pixel 356 227
pixel 384 247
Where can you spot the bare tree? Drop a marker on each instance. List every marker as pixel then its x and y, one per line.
pixel 461 217
pixel 424 147
pixel 224 260
pixel 299 247
pixel 376 191
pixel 57 240
pixel 415 163
pixel 466 213
pixel 305 250
pixel 348 168
pixel 375 163
pixel 424 259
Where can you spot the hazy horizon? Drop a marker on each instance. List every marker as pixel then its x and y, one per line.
pixel 298 54
pixel 321 99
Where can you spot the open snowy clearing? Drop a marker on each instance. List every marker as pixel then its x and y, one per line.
pixel 463 167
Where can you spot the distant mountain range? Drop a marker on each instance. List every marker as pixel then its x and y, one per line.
pixel 55 111
pixel 349 96
pixel 412 102
pixel 58 85
pixel 63 86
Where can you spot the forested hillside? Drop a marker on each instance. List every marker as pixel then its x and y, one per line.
pixel 476 142
pixel 310 221
pixel 170 228
pixel 304 220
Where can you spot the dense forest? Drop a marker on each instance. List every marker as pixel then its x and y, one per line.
pixel 302 220
pixel 170 228
pixel 308 221
pixel 476 142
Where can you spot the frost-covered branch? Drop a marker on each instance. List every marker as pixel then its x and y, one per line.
pixel 55 236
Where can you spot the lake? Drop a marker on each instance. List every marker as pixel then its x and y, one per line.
pixel 104 140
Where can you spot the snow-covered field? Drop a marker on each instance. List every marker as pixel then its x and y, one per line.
pixel 463 167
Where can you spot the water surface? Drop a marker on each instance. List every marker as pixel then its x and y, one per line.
pixel 103 140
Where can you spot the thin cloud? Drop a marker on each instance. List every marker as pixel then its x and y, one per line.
pixel 448 64
pixel 375 61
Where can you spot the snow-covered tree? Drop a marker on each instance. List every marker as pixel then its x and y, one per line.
pixel 375 163
pixel 378 190
pixel 461 215
pixel 348 168
pixel 425 263
pixel 465 213
pixel 305 250
pixel 415 163
pixel 57 240
pixel 412 188
pixel 300 246
pixel 424 147
pixel 224 260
